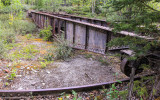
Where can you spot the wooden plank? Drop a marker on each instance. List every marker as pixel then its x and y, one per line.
pixel 109 34
pixel 104 24
pixel 78 19
pixel 49 21
pixel 128 52
pixel 53 27
pixel 84 20
pixel 33 16
pixel 97 41
pixel 45 21
pixel 59 26
pixel 69 33
pixel 39 20
pixel 42 21
pixel 36 18
pixel 65 30
pixel 87 37
pixel 97 22
pixel 80 36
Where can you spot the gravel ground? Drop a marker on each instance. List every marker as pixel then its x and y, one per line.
pixel 77 71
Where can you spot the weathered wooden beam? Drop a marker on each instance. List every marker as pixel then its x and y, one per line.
pixel 125 33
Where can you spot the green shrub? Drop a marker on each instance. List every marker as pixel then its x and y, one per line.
pixel 23 27
pixel 2 49
pixel 63 50
pixel 4 17
pixel 46 33
pixel 7 36
pixel 5 9
pixel 50 54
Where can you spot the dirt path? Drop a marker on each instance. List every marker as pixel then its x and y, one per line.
pixel 33 72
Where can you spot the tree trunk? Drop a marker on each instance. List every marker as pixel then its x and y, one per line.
pixel 64 2
pixel 130 92
pixel 157 88
pixel 93 6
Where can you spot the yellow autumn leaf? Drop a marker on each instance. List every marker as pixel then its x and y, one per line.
pixel 60 98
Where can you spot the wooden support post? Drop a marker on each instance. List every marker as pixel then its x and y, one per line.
pixel 38 20
pixel 74 30
pixel 59 27
pixel 45 21
pixel 65 29
pixel 87 37
pixel 49 21
pixel 130 92
pixel 35 18
pixel 53 26
pixel 32 16
pixel 107 40
pixel 42 21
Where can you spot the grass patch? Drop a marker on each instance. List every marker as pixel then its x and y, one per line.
pixel 63 50
pixel 27 52
pixel 46 33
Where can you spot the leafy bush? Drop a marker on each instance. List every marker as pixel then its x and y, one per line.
pixel 50 54
pixel 23 27
pixel 26 7
pixel 7 37
pixel 2 49
pixel 63 50
pixel 4 17
pixel 46 33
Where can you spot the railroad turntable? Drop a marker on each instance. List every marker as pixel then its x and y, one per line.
pixel 88 67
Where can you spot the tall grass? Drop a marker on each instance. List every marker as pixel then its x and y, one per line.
pixel 63 50
pixel 10 27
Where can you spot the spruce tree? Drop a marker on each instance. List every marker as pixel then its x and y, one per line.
pixel 141 17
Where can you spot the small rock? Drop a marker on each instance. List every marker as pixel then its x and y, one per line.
pixel 22 67
pixel 34 70
pixel 38 87
pixel 90 59
pixel 33 84
pixel 43 84
pixel 48 72
pixel 10 64
pixel 18 75
pixel 20 88
pixel 6 71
